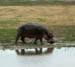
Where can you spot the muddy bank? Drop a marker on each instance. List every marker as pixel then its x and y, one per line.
pixel 33 46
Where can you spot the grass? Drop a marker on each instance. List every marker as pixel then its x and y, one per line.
pixel 65 32
pixel 58 18
pixel 9 22
pixel 10 9
pixel 69 39
pixel 30 2
pixel 41 19
pixel 2 14
pixel 7 35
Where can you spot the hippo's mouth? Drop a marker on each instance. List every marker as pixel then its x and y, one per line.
pixel 51 41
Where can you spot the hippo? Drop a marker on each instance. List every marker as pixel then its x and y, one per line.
pixel 34 30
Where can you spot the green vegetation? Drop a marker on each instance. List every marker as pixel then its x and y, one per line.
pixel 9 9
pixel 69 39
pixel 67 32
pixel 33 2
pixel 9 22
pixel 41 19
pixel 7 35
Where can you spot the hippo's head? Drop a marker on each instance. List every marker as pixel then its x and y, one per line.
pixel 50 38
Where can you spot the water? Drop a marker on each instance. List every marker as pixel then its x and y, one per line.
pixel 64 57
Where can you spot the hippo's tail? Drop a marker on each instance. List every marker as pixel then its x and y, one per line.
pixel 17 37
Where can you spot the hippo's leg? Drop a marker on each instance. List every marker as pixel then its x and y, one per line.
pixel 17 37
pixel 41 40
pixel 22 38
pixel 35 42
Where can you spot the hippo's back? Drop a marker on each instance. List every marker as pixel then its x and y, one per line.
pixel 33 28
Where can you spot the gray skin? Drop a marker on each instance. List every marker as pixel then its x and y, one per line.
pixel 32 30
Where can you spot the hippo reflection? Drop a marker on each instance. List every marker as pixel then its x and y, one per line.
pixel 40 51
pixel 37 31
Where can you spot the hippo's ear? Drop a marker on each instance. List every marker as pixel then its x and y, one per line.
pixel 49 33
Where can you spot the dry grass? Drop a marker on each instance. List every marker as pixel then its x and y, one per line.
pixel 47 15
